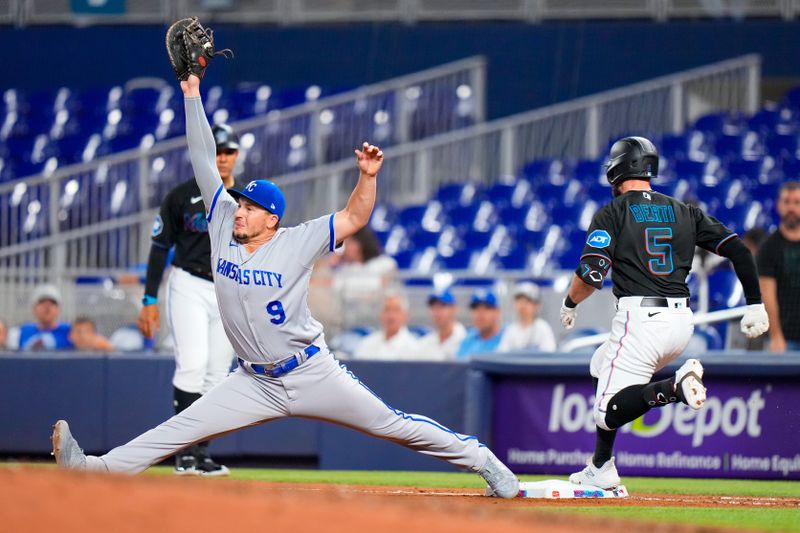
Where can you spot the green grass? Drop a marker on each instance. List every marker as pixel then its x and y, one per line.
pixel 740 518
pixel 718 487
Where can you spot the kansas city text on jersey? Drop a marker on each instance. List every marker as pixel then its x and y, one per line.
pixel 246 276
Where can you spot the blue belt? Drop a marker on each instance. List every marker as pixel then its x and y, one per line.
pixel 281 368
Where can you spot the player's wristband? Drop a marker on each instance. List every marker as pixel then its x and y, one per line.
pixel 149 300
pixel 569 303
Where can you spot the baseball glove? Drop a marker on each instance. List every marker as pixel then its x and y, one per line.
pixel 190 47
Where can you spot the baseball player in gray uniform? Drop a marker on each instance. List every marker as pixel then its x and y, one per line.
pixel 261 276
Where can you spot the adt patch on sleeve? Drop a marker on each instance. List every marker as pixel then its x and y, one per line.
pixel 158 226
pixel 599 238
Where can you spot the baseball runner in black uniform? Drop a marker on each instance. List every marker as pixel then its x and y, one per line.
pixel 203 354
pixel 649 239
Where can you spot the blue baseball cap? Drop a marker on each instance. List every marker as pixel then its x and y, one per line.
pixel 483 297
pixel 444 297
pixel 264 193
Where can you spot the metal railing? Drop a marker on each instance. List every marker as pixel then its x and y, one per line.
pixel 713 317
pixel 577 129
pixel 319 11
pixel 97 215
pixel 114 241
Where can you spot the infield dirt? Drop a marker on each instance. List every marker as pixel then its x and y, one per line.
pixel 48 500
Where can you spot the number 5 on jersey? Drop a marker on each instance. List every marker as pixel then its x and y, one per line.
pixel 275 310
pixel 657 241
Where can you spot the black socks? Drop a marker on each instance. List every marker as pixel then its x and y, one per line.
pixel 183 399
pixel 604 446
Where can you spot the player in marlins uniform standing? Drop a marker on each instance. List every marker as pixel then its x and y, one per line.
pixel 203 354
pixel 648 240
pixel 261 276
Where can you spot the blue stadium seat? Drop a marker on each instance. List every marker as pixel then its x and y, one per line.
pixel 729 146
pixel 569 258
pixel 500 194
pixel 421 239
pixel 791 169
pixel 253 99
pixel 526 239
pixel 767 191
pixel 589 171
pixel 541 170
pixel 694 170
pixel 782 146
pixel 724 289
pixel 463 217
pixel 712 123
pixel 140 101
pixel 567 215
pixel 551 195
pixel 383 216
pixel 453 194
pixel 514 216
pixel 406 259
pixel 743 216
pixel 674 147
pixel 744 169
pixel 459 260
pixel 476 240
pixel 516 259
pixel 766 119
pixel 118 144
pixel 792 99
pixel 411 217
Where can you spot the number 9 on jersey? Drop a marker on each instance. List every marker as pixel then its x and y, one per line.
pixel 275 310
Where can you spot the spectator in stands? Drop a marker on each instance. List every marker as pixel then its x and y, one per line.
pixel 443 342
pixel 487 330
pixel 3 334
pixel 362 264
pixel 46 333
pixel 83 335
pixel 529 332
pixel 393 340
pixel 779 272
pixel 357 274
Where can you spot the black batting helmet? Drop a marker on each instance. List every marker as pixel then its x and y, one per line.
pixel 225 137
pixel 632 157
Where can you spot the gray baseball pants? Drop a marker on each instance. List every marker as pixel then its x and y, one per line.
pixel 320 388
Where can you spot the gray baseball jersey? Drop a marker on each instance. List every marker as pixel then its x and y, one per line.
pixel 262 298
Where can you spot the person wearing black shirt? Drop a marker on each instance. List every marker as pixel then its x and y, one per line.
pixel 203 353
pixel 648 240
pixel 779 272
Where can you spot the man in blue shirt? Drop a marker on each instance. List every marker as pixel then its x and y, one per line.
pixel 46 333
pixel 487 330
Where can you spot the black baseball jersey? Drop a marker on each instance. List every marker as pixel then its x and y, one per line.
pixel 182 223
pixel 648 240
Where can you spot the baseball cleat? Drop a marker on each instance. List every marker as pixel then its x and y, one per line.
pixel 185 465
pixel 502 482
pixel 207 467
pixel 65 448
pixel 606 477
pixel 689 384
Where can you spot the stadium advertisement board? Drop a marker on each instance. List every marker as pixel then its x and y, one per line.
pixel 747 429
